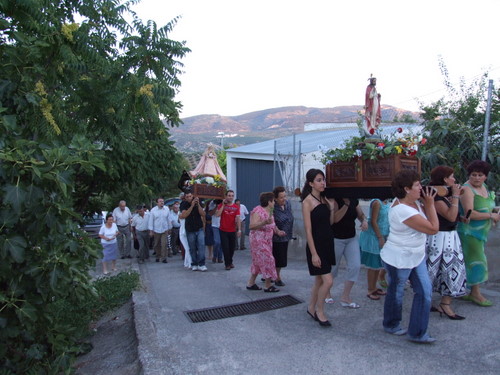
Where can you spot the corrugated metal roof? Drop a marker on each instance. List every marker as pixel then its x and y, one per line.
pixel 312 139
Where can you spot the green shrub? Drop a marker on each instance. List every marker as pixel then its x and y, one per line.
pixel 68 322
pixel 110 293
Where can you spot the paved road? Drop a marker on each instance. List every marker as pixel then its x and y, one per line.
pixel 287 340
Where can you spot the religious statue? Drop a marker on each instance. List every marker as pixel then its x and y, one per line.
pixel 208 165
pixel 372 107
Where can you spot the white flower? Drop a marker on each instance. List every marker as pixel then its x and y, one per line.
pixel 209 180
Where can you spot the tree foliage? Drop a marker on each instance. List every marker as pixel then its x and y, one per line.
pixel 87 93
pixel 455 127
pixel 222 158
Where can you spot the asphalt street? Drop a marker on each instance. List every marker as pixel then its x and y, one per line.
pixel 287 340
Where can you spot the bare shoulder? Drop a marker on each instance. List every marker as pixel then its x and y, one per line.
pixel 307 203
pixel 467 190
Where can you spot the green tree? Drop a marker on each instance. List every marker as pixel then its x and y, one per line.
pixel 454 127
pixel 222 158
pixel 86 89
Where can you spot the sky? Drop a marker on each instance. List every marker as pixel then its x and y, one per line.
pixel 254 55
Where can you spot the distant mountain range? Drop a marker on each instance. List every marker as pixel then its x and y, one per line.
pixel 197 131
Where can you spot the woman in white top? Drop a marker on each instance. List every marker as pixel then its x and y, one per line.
pixel 403 255
pixel 107 234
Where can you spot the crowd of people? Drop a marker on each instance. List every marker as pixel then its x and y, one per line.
pixel 432 242
pixel 189 227
pixel 421 238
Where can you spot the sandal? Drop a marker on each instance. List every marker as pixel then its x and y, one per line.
pixel 485 303
pixel 470 298
pixel 254 287
pixel 379 292
pixel 350 305
pixel 373 296
pixel 329 300
pixel 271 289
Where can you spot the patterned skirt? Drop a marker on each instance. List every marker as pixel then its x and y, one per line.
pixel 445 264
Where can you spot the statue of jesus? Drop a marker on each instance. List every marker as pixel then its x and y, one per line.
pixel 372 107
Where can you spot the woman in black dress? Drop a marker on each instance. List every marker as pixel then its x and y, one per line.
pixel 317 213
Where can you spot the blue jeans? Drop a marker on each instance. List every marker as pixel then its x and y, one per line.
pixel 196 241
pixel 217 245
pixel 421 306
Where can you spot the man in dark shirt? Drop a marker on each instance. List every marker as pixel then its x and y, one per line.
pixel 192 211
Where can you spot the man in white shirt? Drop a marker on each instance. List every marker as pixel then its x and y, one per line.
pixel 218 256
pixel 122 217
pixel 243 213
pixel 140 230
pixel 158 228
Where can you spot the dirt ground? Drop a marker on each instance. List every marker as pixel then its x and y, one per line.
pixel 114 346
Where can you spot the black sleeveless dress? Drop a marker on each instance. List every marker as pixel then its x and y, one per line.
pixel 323 240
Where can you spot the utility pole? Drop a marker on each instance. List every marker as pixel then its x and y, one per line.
pixel 221 136
pixel 487 121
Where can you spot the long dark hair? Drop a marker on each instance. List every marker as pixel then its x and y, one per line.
pixel 310 176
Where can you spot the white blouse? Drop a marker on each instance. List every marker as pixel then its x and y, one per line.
pixel 405 246
pixel 108 233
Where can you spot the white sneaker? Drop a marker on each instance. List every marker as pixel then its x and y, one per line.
pixel 202 268
pixel 194 268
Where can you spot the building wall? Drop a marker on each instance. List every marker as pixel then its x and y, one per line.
pixel 232 166
pixel 252 178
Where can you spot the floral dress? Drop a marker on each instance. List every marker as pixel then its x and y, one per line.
pixel 261 246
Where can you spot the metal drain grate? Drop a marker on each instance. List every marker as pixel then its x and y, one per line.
pixel 239 309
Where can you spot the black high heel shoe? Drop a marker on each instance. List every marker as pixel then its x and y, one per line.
pixel 322 323
pixel 452 317
pixel 312 316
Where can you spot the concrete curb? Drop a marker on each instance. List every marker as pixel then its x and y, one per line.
pixel 147 347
